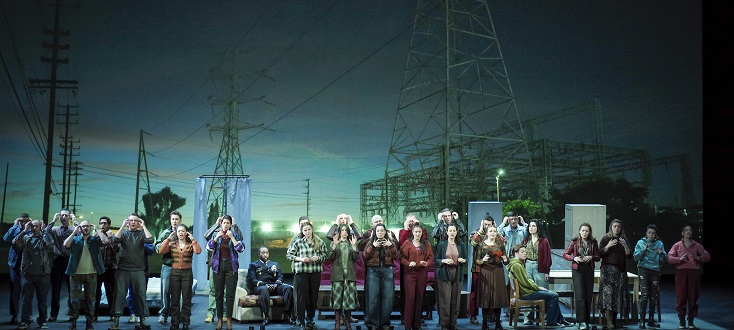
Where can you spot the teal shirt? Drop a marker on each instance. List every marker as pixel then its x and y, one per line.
pixel 649 257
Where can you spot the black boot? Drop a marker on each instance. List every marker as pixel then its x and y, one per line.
pixel 497 320
pixel 72 324
pixel 651 321
pixel 485 322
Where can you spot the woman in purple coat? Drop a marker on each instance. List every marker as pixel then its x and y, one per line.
pixel 225 247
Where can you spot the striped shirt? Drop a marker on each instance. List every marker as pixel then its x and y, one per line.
pixel 301 249
pixel 180 258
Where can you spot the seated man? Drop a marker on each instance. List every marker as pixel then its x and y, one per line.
pixel 531 291
pixel 265 277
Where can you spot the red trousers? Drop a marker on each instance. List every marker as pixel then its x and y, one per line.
pixel 473 308
pixel 687 290
pixel 415 289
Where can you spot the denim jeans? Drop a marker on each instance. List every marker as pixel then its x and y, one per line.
pixel 165 291
pixel 379 297
pixel 553 314
pixel 649 282
pixel 15 290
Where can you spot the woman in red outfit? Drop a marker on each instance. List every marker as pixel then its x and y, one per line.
pixel 416 256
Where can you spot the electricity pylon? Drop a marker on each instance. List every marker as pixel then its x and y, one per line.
pixel 456 122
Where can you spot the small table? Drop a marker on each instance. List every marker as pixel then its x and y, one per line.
pixel 564 277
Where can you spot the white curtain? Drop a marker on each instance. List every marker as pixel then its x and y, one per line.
pixel 238 206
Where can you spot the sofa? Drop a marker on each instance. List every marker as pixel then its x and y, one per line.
pixel 247 305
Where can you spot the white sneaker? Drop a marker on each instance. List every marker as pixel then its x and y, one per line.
pixel 583 326
pixel 527 321
pixel 132 319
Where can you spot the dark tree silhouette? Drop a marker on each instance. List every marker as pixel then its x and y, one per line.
pixel 158 208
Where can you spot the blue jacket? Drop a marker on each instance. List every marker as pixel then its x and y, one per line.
pixel 213 246
pixel 13 254
pixel 649 257
pixel 94 245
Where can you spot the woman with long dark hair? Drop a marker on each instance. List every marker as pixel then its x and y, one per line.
pixel 183 246
pixel 343 276
pixel 451 256
pixel 378 257
pixel 225 247
pixel 416 256
pixel 308 253
pixel 614 251
pixel 583 251
pixel 539 260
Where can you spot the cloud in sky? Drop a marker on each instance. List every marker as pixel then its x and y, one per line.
pixel 326 85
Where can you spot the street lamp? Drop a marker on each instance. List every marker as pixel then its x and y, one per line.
pixel 499 172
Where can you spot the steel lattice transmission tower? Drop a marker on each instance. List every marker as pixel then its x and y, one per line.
pixel 229 162
pixel 456 121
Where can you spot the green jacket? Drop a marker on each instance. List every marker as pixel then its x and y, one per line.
pixel 517 270
pixel 336 274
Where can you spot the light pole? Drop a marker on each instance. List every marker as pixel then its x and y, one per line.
pixel 499 172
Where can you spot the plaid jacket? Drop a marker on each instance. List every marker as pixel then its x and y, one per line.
pixel 301 249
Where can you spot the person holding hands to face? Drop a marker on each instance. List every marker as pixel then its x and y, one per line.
pixel 182 247
pixel 514 229
pixel 343 275
pixel 61 258
pixel 85 264
pixel 131 268
pixel 344 219
pixel 451 256
pixel 225 247
pixel 14 262
pixel 379 256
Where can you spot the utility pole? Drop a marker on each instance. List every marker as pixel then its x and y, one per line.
pixel 142 173
pixel 76 168
pixel 5 193
pixel 68 153
pixel 308 194
pixel 52 84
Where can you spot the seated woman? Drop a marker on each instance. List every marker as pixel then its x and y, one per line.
pixel 531 291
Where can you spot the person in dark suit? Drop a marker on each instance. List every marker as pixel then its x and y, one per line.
pixel 265 277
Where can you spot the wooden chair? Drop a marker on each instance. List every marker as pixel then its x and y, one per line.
pixel 517 305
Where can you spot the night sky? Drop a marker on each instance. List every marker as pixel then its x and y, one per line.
pixel 323 79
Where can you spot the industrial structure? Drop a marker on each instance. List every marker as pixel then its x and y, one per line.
pixel 457 126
